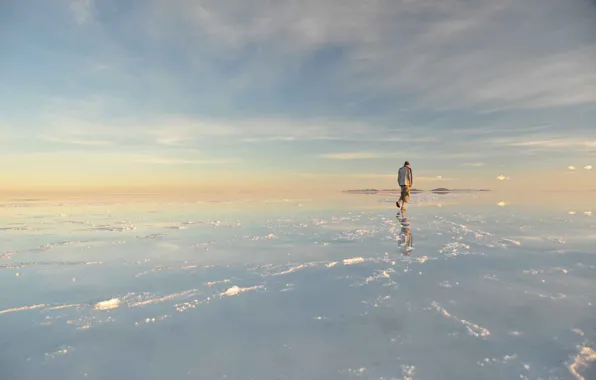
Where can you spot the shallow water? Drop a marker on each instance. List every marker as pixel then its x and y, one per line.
pixel 297 289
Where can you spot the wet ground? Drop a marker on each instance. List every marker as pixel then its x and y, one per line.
pixel 296 289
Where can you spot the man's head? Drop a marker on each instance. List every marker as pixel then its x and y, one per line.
pixel 407 163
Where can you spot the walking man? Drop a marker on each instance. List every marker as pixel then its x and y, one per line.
pixel 405 180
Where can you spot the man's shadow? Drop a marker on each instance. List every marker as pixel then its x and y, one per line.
pixel 406 242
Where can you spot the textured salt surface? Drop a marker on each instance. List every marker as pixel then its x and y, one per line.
pixel 483 291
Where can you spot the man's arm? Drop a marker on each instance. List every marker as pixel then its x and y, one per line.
pixel 411 177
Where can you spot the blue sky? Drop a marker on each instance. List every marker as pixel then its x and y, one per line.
pixel 336 91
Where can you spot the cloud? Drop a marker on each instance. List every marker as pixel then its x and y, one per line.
pixel 503 178
pixel 501 129
pixel 382 176
pixel 433 179
pixel 161 160
pixel 571 167
pixel 82 10
pixel 378 176
pixel 448 54
pixel 556 143
pixel 351 156
pixel 111 159
pixel 68 117
pixel 89 142
pixel 588 167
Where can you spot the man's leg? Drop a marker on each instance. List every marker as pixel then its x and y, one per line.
pixel 405 197
pixel 401 196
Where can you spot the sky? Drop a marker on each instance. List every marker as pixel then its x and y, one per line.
pixel 314 94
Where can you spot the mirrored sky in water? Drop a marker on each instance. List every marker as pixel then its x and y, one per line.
pixel 471 286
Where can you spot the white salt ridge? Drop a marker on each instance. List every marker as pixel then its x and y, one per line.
pixel 108 305
pixel 127 227
pixel 204 244
pixel 60 307
pixel 380 274
pixel 18 229
pixel 563 270
pixel 354 260
pixel 58 353
pixel 578 332
pixel 512 241
pixel 217 282
pixel 160 268
pixel 454 249
pixel 181 295
pixel 504 360
pixel 23 308
pixel 356 372
pixel 235 290
pixel 7 255
pixel 422 259
pixel 582 362
pixel 557 297
pixel 154 236
pixel 87 322
pixel 182 307
pixel 332 264
pixel 268 237
pixel 408 372
pixel 472 328
pixel 152 320
pixel 556 240
pixel 294 269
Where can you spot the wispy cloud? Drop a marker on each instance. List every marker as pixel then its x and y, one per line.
pixel 438 51
pixel 556 143
pixel 351 156
pixel 82 10
pixel 162 160
pixel 79 117
pixel 451 85
pixel 459 155
pixel 88 142
pixel 433 179
pixel 502 129
pixel 378 176
pixel 373 176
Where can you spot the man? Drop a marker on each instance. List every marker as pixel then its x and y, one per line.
pixel 405 180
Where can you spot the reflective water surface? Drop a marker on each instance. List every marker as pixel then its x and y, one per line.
pixel 466 288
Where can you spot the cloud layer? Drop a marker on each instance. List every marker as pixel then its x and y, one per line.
pixel 470 90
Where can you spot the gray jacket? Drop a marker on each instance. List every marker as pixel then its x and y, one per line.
pixel 405 176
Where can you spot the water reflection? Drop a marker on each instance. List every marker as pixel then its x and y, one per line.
pixel 405 236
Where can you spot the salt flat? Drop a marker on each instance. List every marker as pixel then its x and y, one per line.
pixel 297 289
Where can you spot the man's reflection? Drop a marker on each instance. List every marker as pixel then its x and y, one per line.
pixel 405 239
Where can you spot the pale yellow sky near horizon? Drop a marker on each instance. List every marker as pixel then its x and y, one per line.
pixel 228 182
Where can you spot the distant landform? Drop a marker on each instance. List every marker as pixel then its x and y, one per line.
pixel 440 190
